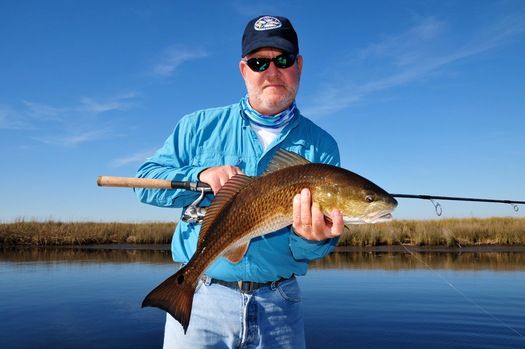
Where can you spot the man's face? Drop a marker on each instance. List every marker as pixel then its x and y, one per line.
pixel 273 90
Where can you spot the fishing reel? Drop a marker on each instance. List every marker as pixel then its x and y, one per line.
pixel 194 213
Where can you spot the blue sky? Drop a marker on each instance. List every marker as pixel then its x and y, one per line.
pixel 423 97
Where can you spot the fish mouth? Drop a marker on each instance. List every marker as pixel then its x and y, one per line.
pixel 382 216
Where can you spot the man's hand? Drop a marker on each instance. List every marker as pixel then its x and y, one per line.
pixel 309 221
pixel 217 176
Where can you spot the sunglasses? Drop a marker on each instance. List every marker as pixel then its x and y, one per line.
pixel 261 64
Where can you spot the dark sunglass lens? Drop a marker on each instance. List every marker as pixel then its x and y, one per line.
pixel 284 61
pixel 261 64
pixel 258 64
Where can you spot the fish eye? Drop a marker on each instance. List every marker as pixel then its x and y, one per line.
pixel 369 198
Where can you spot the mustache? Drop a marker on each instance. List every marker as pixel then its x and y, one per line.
pixel 273 81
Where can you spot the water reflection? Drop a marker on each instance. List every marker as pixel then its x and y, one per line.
pixel 508 259
pixel 401 260
pixel 93 254
pixel 90 297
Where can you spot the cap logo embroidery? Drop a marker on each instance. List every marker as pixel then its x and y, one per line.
pixel 267 23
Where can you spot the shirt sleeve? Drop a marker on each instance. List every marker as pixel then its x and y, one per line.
pixel 172 162
pixel 311 250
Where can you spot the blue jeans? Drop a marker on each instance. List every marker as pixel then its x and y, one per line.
pixel 223 317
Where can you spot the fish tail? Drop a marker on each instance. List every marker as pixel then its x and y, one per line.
pixel 175 296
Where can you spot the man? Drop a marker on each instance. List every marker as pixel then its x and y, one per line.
pixel 212 146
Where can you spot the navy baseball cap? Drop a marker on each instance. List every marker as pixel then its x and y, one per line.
pixel 269 31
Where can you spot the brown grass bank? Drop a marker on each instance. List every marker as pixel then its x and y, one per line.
pixel 53 233
pixel 443 232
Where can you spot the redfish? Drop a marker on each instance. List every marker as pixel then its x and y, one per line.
pixel 247 207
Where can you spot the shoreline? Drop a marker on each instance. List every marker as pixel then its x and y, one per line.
pixel 435 249
pixel 344 249
pixel 447 233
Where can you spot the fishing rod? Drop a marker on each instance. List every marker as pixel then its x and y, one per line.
pixel 439 210
pixel 195 214
pixel 150 183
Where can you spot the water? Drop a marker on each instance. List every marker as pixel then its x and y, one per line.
pixel 91 299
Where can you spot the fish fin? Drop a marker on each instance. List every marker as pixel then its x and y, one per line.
pixel 175 296
pixel 224 196
pixel 283 159
pixel 236 253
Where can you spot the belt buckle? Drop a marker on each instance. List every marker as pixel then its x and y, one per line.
pixel 246 286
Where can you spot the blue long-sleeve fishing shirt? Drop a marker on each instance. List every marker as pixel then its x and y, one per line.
pixel 223 136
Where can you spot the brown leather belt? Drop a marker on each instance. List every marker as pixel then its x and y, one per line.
pixel 243 286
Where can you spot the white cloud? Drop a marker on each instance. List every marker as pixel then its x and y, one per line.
pixel 75 138
pixel 417 53
pixel 136 158
pixel 123 102
pixel 407 47
pixel 174 57
pixel 69 126
pixel 42 112
pixel 9 119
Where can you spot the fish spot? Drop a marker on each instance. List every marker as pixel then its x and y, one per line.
pixel 180 279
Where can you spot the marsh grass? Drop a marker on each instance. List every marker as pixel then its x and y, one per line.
pixel 53 233
pixel 442 232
